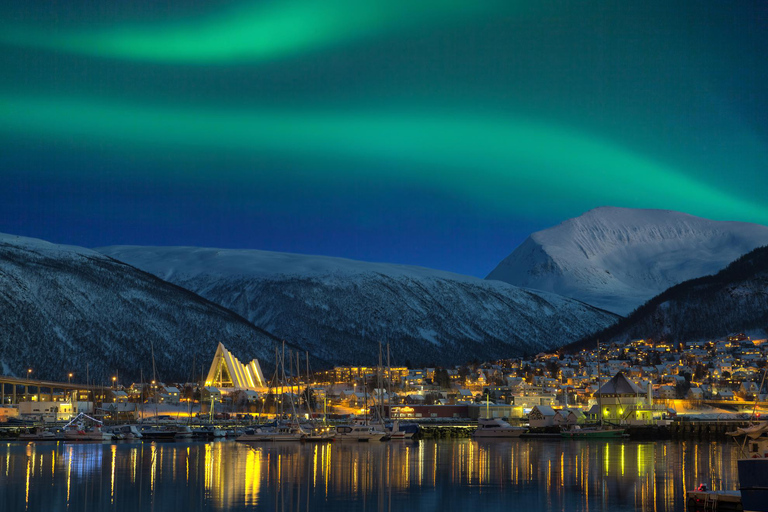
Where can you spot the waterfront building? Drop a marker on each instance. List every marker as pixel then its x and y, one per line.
pixel 625 403
pixel 46 411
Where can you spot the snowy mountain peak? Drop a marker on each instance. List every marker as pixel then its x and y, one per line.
pixel 617 258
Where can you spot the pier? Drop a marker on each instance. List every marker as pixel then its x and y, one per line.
pixel 714 501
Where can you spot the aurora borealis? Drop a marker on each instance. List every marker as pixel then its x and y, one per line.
pixel 439 134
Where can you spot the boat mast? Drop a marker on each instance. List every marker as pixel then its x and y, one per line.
pixel 389 385
pixel 298 376
pixel 154 377
pixel 379 383
pixel 599 385
pixel 309 387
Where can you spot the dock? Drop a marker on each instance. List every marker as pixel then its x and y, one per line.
pixel 715 501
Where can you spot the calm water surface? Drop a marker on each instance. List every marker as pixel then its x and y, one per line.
pixel 425 476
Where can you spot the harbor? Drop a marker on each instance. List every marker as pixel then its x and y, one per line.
pixel 451 474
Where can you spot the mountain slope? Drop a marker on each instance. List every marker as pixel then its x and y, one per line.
pixel 65 308
pixel 617 258
pixel 733 300
pixel 340 309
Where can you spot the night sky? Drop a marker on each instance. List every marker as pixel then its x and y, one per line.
pixel 435 133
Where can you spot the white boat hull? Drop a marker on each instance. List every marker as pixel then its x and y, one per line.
pixel 78 435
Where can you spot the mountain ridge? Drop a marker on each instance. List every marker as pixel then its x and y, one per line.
pixel 617 258
pixel 341 309
pixel 701 309
pixel 63 308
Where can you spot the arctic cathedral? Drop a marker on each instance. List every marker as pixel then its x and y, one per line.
pixel 227 373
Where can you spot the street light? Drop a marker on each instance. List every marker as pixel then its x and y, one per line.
pixel 29 373
pixel 114 381
pixel 69 378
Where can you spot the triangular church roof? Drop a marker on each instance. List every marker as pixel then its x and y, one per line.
pixel 619 385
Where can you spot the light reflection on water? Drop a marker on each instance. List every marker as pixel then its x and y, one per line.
pixel 430 475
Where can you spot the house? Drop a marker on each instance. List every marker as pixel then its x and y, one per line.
pixel 210 394
pixel 169 394
pixel 245 397
pixel 415 399
pixel 667 392
pixel 541 416
pixel 569 417
pixel 726 394
pixel 465 395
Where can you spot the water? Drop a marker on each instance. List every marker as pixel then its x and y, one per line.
pixel 418 477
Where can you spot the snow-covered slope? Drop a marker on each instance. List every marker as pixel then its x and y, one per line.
pixel 617 258
pixel 63 308
pixel 341 309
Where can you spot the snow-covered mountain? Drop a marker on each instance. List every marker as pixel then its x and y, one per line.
pixel 69 309
pixel 618 258
pixel 702 309
pixel 339 309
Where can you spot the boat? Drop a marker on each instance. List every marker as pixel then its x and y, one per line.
pixel 124 432
pixel 598 432
pixel 41 434
pixel 393 431
pixel 182 431
pixel 274 433
pixel 497 428
pixel 288 428
pixel 208 432
pixel 752 466
pixel 409 429
pixel 76 430
pixel 359 433
pixel 318 433
pixel 157 433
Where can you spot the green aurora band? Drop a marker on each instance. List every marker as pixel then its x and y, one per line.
pixel 499 162
pixel 248 32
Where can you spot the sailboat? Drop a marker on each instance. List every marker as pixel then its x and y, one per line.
pixel 278 430
pixel 315 432
pixel 76 430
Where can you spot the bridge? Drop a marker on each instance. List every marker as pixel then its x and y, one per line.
pixel 10 392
